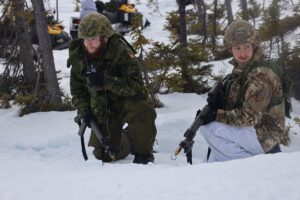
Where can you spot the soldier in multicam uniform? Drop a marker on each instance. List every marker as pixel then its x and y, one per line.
pixel 107 86
pixel 249 124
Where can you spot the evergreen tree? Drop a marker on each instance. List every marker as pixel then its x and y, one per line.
pixel 254 10
pixel 201 20
pixel 139 42
pixel 22 79
pixel 26 51
pixel 165 64
pixel 244 7
pixel 277 31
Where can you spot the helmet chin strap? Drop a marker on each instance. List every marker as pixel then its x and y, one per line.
pixel 102 40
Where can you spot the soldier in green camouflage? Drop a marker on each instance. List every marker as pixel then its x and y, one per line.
pixel 252 122
pixel 107 86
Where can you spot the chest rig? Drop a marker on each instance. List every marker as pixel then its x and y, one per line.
pixel 241 81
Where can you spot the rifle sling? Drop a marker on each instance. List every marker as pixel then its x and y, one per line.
pixel 83 148
pixel 189 157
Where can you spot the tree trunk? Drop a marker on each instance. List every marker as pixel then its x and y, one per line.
pixel 201 14
pixel 244 7
pixel 182 37
pixel 229 11
pixel 188 86
pixel 296 85
pixel 51 82
pixel 182 25
pixel 214 34
pixel 26 52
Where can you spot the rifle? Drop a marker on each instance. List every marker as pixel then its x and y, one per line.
pixel 190 133
pixel 95 128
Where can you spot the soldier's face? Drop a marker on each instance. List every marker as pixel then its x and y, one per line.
pixel 92 44
pixel 242 53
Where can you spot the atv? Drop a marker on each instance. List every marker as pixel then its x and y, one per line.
pixel 59 38
pixel 120 13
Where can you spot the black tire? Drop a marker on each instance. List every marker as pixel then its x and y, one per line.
pixel 63 45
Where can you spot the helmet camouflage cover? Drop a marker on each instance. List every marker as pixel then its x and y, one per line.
pixel 93 25
pixel 241 32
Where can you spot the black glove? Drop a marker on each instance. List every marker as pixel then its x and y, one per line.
pixel 87 118
pixel 213 100
pixel 209 117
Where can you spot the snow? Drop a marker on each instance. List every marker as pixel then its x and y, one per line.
pixel 41 159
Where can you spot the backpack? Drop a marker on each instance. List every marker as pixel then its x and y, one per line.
pixel 285 81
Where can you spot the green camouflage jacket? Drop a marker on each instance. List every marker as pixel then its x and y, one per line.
pixel 121 74
pixel 261 85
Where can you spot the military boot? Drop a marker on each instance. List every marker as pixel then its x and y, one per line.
pixel 143 159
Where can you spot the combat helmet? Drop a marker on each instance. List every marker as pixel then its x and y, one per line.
pixel 93 25
pixel 241 32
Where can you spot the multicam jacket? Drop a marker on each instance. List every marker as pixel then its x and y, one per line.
pixel 122 79
pixel 253 108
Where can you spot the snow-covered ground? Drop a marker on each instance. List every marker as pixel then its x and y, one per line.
pixel 40 154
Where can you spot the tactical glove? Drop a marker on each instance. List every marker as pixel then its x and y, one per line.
pixel 214 100
pixel 87 118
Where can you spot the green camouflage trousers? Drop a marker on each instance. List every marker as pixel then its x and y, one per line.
pixel 140 117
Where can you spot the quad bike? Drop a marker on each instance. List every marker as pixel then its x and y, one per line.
pixel 120 13
pixel 59 38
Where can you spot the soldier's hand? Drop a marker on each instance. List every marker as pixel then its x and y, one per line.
pixel 87 118
pixel 213 100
